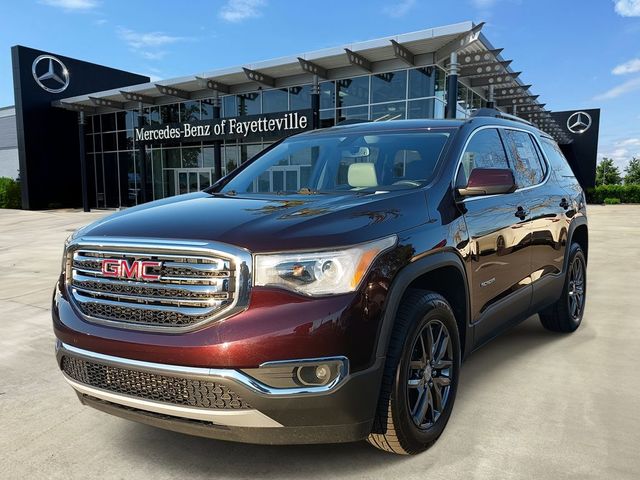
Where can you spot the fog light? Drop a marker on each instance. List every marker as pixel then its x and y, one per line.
pixel 314 374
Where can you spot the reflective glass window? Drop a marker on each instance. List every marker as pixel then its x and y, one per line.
pixel 300 97
pixel 327 95
pixel 108 122
pixel 229 106
pixel 249 103
pixel 388 111
pixel 421 108
pixel 275 100
pixel 485 150
pixel 353 91
pixel 169 113
pixel 354 113
pixel 190 111
pixel 422 82
pixel 192 157
pixel 389 86
pixel 524 157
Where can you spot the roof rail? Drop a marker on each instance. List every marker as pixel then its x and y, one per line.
pixel 494 112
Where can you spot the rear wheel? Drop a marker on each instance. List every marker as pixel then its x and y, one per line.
pixel 566 314
pixel 421 375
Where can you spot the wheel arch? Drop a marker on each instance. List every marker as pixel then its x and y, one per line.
pixel 442 273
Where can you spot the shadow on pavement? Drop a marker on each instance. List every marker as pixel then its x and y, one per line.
pixel 183 454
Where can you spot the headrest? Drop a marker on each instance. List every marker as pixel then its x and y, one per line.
pixel 362 175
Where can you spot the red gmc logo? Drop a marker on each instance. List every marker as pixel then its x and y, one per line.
pixel 137 269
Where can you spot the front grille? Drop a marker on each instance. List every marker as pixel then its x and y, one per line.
pixel 183 288
pixel 151 386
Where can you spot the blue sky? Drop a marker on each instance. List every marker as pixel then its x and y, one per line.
pixel 575 53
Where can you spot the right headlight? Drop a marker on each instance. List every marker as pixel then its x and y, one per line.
pixel 329 272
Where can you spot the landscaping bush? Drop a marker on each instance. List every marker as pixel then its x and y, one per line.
pixel 10 193
pixel 624 193
pixel 611 201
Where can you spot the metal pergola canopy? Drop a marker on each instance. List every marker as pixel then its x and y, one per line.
pixel 481 66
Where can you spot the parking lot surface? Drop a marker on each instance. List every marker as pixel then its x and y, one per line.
pixel 531 404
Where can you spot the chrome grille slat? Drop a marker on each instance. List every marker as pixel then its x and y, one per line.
pixel 192 285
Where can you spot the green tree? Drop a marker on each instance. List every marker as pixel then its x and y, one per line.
pixel 607 173
pixel 632 172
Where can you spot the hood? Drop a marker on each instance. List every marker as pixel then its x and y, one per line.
pixel 269 223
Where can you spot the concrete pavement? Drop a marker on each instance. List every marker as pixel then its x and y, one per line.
pixel 531 404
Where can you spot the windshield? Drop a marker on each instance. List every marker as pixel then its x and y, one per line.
pixel 330 162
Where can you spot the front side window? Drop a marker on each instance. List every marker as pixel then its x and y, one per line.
pixel 345 162
pixel 484 150
pixel 527 167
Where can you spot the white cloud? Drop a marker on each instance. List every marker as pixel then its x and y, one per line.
pixel 483 4
pixel 145 40
pixel 631 66
pixel 238 10
pixel 631 141
pixel 399 9
pixel 627 8
pixel 618 90
pixel 621 151
pixel 72 5
pixel 148 44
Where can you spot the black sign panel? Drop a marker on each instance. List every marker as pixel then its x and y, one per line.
pixel 48 136
pixel 582 127
pixel 249 127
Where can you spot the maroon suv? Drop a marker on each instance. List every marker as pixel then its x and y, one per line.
pixel 328 289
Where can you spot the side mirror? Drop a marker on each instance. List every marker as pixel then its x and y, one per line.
pixel 488 181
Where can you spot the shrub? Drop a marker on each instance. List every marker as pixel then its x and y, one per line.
pixel 624 193
pixel 10 196
pixel 611 201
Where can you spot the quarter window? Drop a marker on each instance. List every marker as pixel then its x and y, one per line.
pixel 484 150
pixel 559 164
pixel 527 167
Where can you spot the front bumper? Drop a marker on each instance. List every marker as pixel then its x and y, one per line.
pixel 243 409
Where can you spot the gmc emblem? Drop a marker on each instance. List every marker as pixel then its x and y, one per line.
pixel 138 269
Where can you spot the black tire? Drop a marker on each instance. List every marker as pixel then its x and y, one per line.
pixel 421 314
pixel 565 315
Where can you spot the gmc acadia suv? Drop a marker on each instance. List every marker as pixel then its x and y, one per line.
pixel 329 288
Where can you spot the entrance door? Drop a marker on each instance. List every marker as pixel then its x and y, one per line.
pixel 189 180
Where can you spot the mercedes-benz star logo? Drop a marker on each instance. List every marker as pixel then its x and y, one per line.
pixel 579 122
pixel 50 73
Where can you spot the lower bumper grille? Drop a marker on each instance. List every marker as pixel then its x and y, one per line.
pixel 151 386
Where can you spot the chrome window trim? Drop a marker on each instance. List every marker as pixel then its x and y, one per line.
pixel 497 127
pixel 211 374
pixel 240 256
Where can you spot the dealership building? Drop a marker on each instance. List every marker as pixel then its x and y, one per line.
pixel 88 135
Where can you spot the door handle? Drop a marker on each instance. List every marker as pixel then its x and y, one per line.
pixel 521 213
pixel 564 204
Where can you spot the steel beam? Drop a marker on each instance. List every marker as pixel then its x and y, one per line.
pixel 138 97
pixel 105 102
pixel 209 84
pixel 498 80
pixel 459 43
pixel 74 107
pixel 312 68
pixel 260 77
pixel 485 70
pixel 358 60
pixel 403 53
pixel 173 92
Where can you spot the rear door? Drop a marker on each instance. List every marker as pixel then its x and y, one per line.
pixel 545 200
pixel 499 263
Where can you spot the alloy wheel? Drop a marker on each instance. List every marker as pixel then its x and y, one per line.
pixel 576 288
pixel 430 374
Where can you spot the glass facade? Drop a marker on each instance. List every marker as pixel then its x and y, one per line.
pixel 187 167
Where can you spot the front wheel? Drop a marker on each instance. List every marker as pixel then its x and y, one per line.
pixel 421 375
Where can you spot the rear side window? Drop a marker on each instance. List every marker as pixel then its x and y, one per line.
pixel 559 163
pixel 485 150
pixel 527 165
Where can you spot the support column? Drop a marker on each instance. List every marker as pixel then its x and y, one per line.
pixel 83 162
pixel 315 103
pixel 142 155
pixel 452 86
pixel 491 103
pixel 217 145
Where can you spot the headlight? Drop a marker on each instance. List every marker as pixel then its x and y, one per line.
pixel 320 273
